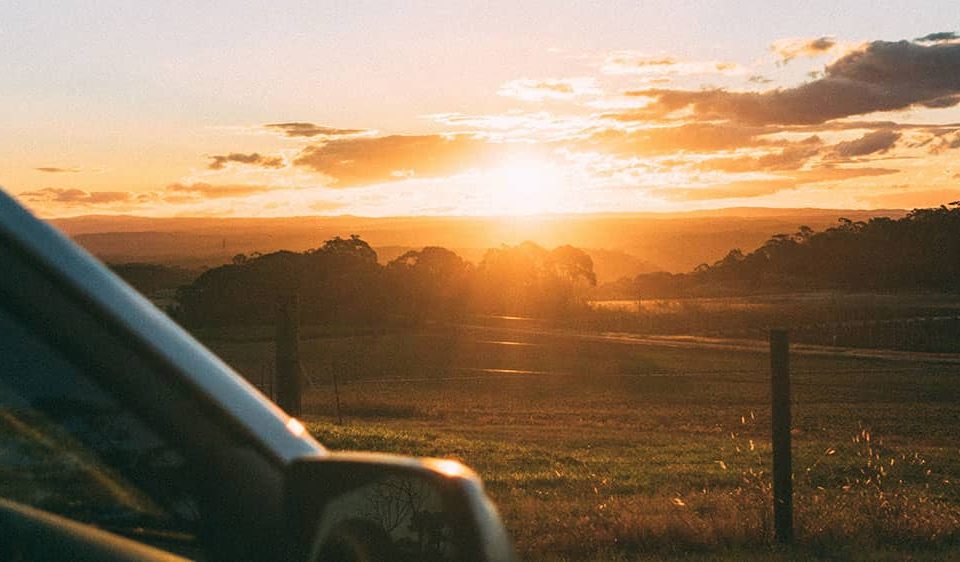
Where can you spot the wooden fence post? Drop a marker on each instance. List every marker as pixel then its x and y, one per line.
pixel 289 372
pixel 782 464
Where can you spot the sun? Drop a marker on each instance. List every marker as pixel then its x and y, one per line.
pixel 524 187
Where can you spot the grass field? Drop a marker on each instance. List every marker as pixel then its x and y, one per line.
pixel 604 450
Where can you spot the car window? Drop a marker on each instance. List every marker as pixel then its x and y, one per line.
pixel 69 447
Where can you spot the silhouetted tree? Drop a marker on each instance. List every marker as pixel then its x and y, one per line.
pixel 527 279
pixel 430 282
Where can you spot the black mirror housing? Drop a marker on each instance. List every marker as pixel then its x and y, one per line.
pixel 372 507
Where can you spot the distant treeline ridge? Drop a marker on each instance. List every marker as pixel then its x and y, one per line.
pixel 919 252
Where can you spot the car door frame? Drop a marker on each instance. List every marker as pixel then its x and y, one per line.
pixel 242 471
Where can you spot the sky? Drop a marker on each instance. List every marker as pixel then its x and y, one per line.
pixel 380 108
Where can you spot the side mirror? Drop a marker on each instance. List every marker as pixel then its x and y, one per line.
pixel 361 507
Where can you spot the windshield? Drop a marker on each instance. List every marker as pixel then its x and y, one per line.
pixel 70 448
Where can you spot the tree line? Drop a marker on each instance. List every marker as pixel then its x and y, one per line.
pixel 918 252
pixel 342 282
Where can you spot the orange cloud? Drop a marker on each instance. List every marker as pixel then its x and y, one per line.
pixel 367 160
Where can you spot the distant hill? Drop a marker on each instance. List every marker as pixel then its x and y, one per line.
pixel 610 265
pixel 622 243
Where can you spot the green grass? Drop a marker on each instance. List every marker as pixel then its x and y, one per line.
pixel 610 451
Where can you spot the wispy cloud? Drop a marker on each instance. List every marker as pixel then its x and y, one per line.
pixel 550 89
pixel 698 137
pixel 791 157
pixel 740 189
pixel 638 63
pixel 56 170
pixel 945 142
pixel 212 191
pixel 75 196
pixel 526 126
pixel 304 129
pixel 938 37
pixel 875 142
pixel 796 47
pixel 219 162
pixel 911 198
pixel 173 193
pixel 191 199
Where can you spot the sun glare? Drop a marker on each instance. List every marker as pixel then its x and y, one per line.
pixel 525 187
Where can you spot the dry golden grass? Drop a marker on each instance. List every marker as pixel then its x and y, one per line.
pixel 616 452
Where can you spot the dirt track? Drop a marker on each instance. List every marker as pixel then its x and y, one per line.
pixel 739 345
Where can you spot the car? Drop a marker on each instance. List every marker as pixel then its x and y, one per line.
pixel 123 438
